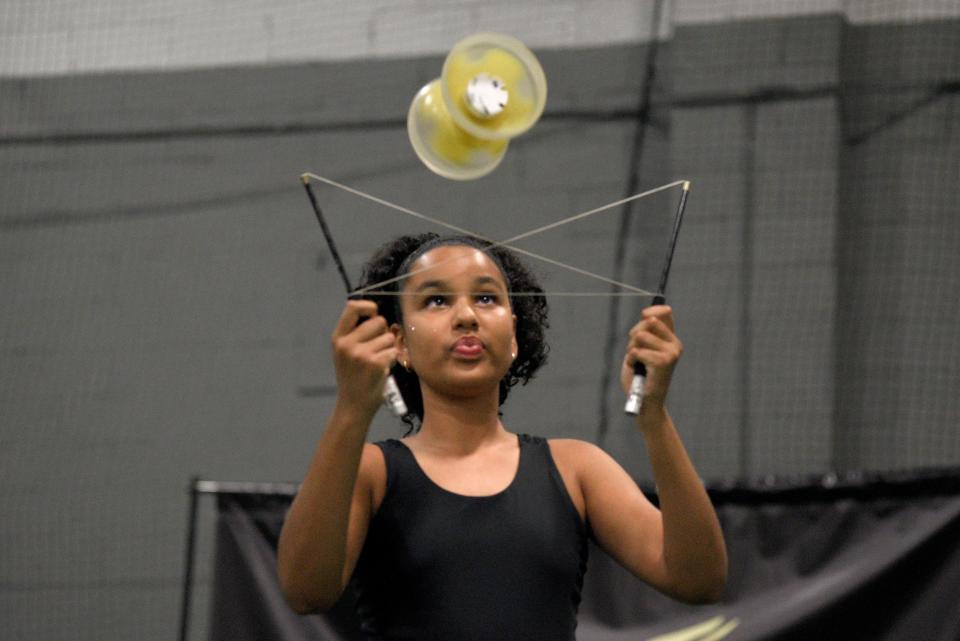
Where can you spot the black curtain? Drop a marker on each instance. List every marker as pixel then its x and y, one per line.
pixel 833 558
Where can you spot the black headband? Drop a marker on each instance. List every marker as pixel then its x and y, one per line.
pixel 442 241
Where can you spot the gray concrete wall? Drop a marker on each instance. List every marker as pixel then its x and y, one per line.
pixel 87 36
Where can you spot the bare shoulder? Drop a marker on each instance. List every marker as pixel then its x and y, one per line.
pixel 575 455
pixel 372 460
pixel 588 465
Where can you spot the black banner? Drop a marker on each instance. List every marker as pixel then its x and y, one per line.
pixel 875 559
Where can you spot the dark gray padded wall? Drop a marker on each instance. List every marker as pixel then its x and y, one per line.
pixel 755 126
pixel 898 345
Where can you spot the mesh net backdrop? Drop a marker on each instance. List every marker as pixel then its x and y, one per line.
pixel 167 296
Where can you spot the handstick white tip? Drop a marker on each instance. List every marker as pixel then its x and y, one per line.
pixel 392 397
pixel 635 396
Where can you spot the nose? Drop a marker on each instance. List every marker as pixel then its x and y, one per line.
pixel 464 316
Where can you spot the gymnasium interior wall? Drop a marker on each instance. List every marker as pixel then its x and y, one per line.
pixel 167 296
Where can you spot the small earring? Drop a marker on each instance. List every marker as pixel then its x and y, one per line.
pixel 513 355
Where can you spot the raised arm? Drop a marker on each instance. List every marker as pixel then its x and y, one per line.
pixel 678 549
pixel 327 522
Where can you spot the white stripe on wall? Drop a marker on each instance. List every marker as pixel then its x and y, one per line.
pixel 42 37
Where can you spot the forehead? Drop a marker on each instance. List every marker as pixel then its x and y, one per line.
pixel 454 262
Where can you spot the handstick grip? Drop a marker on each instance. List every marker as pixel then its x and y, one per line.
pixel 635 395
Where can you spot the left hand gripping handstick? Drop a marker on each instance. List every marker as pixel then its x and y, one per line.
pixel 635 395
pixel 392 397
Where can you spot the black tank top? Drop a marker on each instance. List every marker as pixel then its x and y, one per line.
pixel 440 566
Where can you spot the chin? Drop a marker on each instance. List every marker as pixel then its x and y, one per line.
pixel 471 382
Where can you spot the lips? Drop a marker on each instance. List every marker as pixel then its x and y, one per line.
pixel 469 346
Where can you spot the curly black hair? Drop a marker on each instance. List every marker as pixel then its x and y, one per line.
pixel 394 259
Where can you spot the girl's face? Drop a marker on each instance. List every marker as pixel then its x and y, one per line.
pixel 458 327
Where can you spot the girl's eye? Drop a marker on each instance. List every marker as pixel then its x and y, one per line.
pixel 487 299
pixel 433 301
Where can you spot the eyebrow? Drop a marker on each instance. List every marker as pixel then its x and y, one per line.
pixel 442 285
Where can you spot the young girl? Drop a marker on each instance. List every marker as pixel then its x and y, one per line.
pixel 462 530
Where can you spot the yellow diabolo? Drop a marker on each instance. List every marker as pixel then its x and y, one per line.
pixel 491 89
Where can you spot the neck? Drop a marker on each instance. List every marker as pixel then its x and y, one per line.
pixel 459 425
